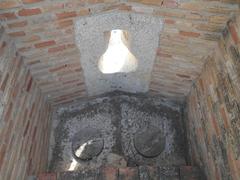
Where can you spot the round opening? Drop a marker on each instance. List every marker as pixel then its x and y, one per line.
pixel 149 142
pixel 87 143
pixel 117 58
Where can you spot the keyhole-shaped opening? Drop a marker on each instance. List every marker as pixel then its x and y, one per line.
pixel 117 58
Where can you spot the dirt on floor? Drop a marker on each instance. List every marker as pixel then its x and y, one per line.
pixel 119 117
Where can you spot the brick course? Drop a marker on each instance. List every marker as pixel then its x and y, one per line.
pixel 213 110
pixel 24 123
pixel 35 24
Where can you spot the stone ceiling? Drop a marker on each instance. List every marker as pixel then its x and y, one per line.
pixel 44 34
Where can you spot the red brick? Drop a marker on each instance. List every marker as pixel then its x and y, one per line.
pixel 26 128
pixel 231 162
pixel 2 154
pixel 59 68
pixel 9 111
pixel 183 76
pixel 169 21
pixel 71 81
pixel 17 24
pixel 233 32
pixel 29 12
pixel 124 7
pixel 29 85
pixel 31 1
pixel 24 49
pixel 224 117
pixel 162 54
pixel 4 83
pixel 189 173
pixel 38 29
pixel 189 34
pixel 32 109
pixel 2 47
pixel 238 166
pixel 64 15
pixel 217 174
pixel 17 34
pixel 33 62
pixel 56 49
pixel 8 16
pixel 78 70
pixel 109 173
pixel 47 176
pixel 34 133
pixel 201 84
pixel 66 23
pixel 9 4
pixel 32 38
pixel 128 173
pixel 215 126
pixel 15 91
pixel 170 3
pixel 150 2
pixel 45 44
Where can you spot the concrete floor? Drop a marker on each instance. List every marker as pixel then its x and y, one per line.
pixel 118 116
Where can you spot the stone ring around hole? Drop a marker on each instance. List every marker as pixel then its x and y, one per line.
pixel 87 144
pixel 149 142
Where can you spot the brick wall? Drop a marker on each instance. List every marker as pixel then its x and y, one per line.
pixel 24 116
pixel 46 29
pixel 213 110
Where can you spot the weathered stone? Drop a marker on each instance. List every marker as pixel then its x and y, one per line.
pixel 87 143
pixel 108 173
pixel 115 160
pixel 170 173
pixel 80 175
pixel 189 172
pixel 118 116
pixel 148 173
pixel 149 142
pixel 128 173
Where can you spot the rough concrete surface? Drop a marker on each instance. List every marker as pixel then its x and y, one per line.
pixel 143 43
pixel 118 116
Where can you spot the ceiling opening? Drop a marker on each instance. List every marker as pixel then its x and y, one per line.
pixel 117 58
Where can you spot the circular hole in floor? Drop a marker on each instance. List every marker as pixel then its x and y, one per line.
pixel 149 142
pixel 87 144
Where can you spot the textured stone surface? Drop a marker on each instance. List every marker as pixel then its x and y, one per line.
pixel 171 173
pixel 43 32
pixel 148 173
pixel 131 173
pixel 213 110
pixel 47 176
pixel 149 141
pixel 118 117
pixel 143 43
pixel 87 143
pixel 93 174
pixel 115 160
pixel 190 172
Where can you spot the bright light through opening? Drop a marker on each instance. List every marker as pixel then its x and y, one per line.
pixel 78 154
pixel 117 57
